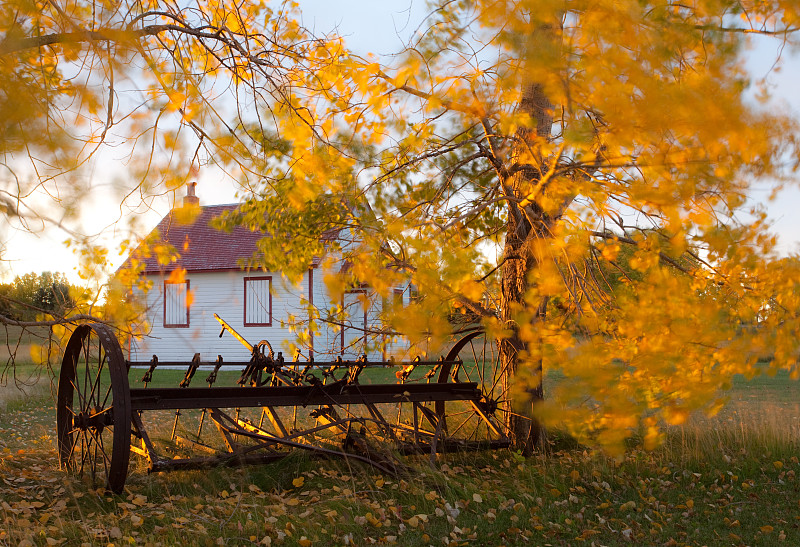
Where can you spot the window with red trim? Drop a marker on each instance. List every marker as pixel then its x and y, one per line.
pixel 398 298
pixel 176 304
pixel 258 301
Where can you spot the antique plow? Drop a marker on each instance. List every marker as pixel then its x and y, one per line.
pixel 356 409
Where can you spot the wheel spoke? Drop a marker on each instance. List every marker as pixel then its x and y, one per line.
pixel 81 401
pixel 460 427
pixel 101 412
pixel 96 385
pixel 106 459
pixel 86 353
pixel 72 444
pixel 84 449
pixel 102 361
pixel 478 363
pixel 499 375
pixel 93 459
pixel 512 413
pixel 105 397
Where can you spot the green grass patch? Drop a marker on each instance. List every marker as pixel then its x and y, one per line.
pixel 698 489
pixel 11 334
pixel 228 375
pixel 730 480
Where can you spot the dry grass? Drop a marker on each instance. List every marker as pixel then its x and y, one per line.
pixel 20 379
pixel 728 480
pixel 28 382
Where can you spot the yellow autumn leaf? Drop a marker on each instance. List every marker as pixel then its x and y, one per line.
pixel 610 251
pixel 139 500
pixel 676 416
pixel 178 275
pixel 298 482
pixel 472 290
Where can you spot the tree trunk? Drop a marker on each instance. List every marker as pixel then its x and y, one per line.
pixel 526 431
pixel 524 228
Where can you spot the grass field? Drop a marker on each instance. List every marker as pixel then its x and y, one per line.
pixel 19 378
pixel 731 480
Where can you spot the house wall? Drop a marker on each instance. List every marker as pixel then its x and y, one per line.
pixel 223 293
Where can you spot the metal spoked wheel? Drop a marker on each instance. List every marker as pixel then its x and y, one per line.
pixel 93 408
pixel 483 421
pixel 462 423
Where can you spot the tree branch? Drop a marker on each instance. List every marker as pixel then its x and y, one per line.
pixel 14 45
pixel 72 319
pixel 622 239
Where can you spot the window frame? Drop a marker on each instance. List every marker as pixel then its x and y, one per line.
pixel 363 288
pixel 186 299
pixel 398 298
pixel 245 321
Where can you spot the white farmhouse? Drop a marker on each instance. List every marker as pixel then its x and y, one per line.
pixel 260 305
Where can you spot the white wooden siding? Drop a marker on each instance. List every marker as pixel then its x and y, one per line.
pixel 223 293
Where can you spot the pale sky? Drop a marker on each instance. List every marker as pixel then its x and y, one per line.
pixel 367 26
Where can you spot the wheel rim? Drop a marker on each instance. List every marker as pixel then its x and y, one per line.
pixel 485 421
pixel 461 422
pixel 93 408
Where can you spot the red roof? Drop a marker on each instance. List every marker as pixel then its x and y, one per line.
pixel 202 247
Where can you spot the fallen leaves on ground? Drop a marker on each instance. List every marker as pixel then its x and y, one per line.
pixel 569 497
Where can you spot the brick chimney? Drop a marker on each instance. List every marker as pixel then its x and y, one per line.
pixel 190 199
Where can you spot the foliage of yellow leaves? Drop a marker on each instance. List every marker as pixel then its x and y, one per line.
pixel 426 162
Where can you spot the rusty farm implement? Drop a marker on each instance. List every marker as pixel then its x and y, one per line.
pixel 260 410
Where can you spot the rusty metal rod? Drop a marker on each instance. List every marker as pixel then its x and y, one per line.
pixel 249 397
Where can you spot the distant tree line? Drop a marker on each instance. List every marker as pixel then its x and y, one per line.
pixel 32 295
